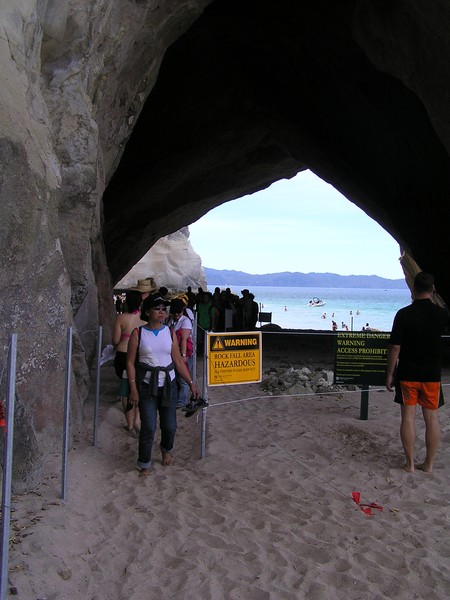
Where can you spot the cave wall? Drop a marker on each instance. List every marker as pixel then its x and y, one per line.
pixel 123 121
pixel 74 78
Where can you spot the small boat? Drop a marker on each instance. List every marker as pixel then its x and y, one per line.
pixel 316 302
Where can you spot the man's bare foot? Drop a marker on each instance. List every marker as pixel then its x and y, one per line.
pixel 144 472
pixel 408 468
pixel 425 468
pixel 167 459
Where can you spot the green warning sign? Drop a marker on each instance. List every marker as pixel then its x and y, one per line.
pixel 234 358
pixel 360 358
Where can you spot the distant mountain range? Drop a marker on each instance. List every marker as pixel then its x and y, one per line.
pixel 288 279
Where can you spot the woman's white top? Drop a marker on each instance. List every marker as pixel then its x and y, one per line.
pixel 183 322
pixel 155 350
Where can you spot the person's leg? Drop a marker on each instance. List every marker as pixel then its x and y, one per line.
pixel 408 434
pixel 148 414
pixel 432 438
pixel 128 412
pixel 168 425
pixel 136 419
pixel 126 404
pixel 183 387
pixel 190 366
pixel 183 392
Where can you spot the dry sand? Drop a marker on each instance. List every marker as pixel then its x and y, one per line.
pixel 267 514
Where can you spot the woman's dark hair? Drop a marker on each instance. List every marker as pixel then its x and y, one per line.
pixel 133 300
pixel 177 306
pixel 145 308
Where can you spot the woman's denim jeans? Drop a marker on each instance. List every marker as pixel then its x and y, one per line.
pixel 149 407
pixel 183 386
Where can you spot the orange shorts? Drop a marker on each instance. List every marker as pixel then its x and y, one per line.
pixel 425 393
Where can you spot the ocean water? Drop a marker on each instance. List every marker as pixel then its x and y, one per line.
pixel 352 306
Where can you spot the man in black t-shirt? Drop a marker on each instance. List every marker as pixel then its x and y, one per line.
pixel 415 343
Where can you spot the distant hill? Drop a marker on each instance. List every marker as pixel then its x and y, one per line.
pixel 288 279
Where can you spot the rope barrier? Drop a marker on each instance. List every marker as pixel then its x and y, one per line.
pixel 324 393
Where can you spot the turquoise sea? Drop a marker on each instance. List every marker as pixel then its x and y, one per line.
pixel 352 306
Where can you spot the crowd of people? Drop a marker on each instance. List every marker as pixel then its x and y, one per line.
pixel 221 310
pixel 154 343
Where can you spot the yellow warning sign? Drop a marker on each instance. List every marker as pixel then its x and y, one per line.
pixel 234 358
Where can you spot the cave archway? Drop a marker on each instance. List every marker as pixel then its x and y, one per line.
pixel 298 225
pixel 253 93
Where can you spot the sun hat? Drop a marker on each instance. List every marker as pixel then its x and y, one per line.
pixel 145 285
pixel 177 295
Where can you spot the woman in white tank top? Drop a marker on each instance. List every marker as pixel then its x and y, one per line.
pixel 152 358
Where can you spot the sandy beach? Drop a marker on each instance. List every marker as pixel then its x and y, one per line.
pixel 267 514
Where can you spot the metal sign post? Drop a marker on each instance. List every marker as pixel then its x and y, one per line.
pixel 205 396
pixel 364 408
pixel 66 413
pixel 97 384
pixel 7 465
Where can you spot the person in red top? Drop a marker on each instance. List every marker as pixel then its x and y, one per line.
pixel 414 368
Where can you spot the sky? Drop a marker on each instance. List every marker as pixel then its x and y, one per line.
pixel 300 225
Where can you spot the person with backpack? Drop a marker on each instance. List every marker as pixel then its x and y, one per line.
pixel 152 359
pixel 181 324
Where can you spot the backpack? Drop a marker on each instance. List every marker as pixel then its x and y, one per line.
pixel 189 343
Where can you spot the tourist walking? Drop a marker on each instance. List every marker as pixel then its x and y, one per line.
pixel 153 355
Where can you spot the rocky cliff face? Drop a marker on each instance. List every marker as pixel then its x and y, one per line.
pixel 122 122
pixel 74 78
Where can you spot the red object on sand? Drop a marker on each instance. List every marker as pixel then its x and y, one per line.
pixel 366 508
pixel 2 416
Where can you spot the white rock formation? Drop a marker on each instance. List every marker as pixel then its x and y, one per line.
pixel 172 262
